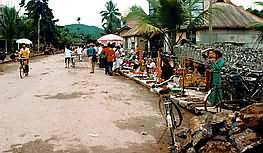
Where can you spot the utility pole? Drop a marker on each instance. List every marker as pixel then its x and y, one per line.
pixel 210 23
pixel 38 33
pixel 38 28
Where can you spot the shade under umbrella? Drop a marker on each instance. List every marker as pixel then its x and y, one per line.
pixel 23 41
pixel 110 38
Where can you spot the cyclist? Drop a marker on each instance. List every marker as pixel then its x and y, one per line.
pixel 24 54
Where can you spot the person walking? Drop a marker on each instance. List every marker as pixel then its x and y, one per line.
pixel 102 57
pixel 79 52
pixel 110 55
pixel 67 56
pixel 92 57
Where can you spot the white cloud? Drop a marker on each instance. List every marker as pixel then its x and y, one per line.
pixel 67 11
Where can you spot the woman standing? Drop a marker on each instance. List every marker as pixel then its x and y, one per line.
pixel 216 63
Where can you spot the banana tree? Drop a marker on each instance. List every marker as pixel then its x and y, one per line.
pixel 8 28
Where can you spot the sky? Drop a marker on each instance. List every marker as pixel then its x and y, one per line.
pixel 67 11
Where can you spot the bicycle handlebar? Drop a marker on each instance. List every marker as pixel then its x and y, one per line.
pixel 163 83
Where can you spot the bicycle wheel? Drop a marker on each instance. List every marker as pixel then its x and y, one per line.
pixel 220 98
pixel 21 72
pixel 176 114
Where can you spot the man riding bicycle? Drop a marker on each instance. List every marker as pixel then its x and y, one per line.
pixel 24 54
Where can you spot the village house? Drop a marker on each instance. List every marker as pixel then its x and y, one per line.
pixel 230 23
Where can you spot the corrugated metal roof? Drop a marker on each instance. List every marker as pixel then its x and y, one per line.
pixel 232 16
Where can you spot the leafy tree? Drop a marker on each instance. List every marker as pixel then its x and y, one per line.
pixel 255 12
pixel 111 17
pixel 169 17
pixel 24 26
pixel 137 13
pixel 8 24
pixel 259 26
pixel 39 8
pixel 78 20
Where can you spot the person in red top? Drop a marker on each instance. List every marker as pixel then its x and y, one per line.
pixel 110 56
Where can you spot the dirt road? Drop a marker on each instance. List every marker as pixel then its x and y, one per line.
pixel 56 110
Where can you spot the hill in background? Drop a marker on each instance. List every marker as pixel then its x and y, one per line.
pixel 92 31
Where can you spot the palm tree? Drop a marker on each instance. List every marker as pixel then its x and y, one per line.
pixel 145 27
pixel 37 8
pixel 78 19
pixel 259 26
pixel 111 17
pixel 173 15
pixel 8 24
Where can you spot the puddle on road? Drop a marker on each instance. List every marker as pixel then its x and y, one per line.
pixel 60 96
pixel 40 146
pixel 141 124
pixel 134 148
pixel 37 146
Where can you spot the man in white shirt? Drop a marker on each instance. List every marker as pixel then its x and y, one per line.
pixel 67 55
pixel 79 52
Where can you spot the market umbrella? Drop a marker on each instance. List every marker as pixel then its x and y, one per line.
pixel 23 41
pixel 110 38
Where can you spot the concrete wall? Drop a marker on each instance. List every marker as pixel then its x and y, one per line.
pixel 135 42
pixel 247 37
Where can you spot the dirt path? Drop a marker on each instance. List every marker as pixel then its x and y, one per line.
pixel 70 110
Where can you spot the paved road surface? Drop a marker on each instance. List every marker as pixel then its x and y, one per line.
pixel 57 110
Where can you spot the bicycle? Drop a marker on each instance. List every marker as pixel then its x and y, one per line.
pixel 245 90
pixel 22 68
pixel 169 110
pixel 73 61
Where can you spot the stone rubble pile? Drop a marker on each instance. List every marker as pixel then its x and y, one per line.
pixel 225 132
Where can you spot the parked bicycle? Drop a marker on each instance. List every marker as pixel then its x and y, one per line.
pixel 22 68
pixel 169 110
pixel 238 89
pixel 2 55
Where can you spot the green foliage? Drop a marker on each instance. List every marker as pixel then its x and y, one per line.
pixel 171 14
pixel 38 8
pixel 258 26
pixel 92 31
pixel 24 26
pixel 63 37
pixel 111 21
pixel 22 3
pixel 136 13
pixel 8 22
pixel 255 12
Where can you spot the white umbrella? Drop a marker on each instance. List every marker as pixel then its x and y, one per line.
pixel 110 38
pixel 23 41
